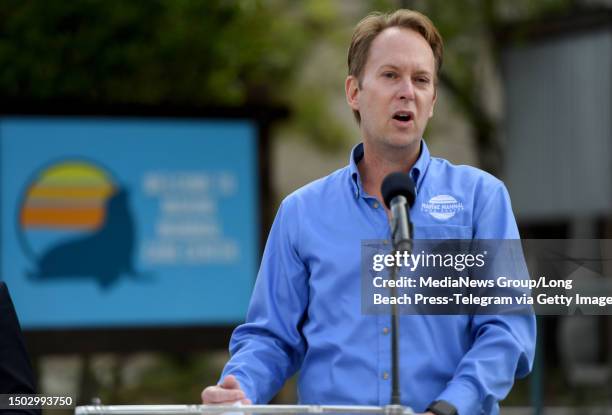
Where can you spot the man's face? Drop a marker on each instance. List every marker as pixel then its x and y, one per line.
pixel 397 92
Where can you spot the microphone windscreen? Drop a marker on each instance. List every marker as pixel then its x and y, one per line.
pixel 396 184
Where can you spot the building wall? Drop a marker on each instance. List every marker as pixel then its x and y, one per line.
pixel 558 126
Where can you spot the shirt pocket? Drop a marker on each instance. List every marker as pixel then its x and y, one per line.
pixel 442 232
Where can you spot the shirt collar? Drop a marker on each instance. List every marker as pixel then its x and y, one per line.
pixel 417 172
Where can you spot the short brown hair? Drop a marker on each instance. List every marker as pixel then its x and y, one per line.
pixel 374 23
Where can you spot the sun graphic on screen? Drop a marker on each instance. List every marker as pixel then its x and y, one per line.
pixel 68 196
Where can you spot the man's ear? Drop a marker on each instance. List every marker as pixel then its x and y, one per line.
pixel 351 88
pixel 433 104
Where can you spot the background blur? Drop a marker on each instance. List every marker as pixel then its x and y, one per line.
pixel 525 93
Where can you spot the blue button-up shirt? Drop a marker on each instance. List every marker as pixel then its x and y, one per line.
pixel 305 311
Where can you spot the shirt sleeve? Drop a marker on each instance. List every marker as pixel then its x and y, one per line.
pixel 269 347
pixel 503 345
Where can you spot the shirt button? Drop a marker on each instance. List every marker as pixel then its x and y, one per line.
pixel 386 330
pixel 386 375
pixel 375 205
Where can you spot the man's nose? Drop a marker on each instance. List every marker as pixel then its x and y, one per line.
pixel 406 91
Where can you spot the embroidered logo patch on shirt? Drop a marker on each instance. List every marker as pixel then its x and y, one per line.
pixel 442 207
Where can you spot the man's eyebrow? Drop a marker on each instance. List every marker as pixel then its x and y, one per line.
pixel 399 68
pixel 389 66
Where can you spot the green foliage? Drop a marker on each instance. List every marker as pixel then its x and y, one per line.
pixel 185 52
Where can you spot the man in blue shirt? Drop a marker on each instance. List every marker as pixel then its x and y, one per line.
pixel 305 312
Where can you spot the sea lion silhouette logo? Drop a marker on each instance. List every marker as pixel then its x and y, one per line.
pixel 76 222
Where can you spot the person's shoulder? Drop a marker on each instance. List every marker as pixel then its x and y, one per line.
pixel 467 176
pixel 320 190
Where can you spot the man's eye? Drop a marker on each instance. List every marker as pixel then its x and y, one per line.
pixel 390 75
pixel 422 80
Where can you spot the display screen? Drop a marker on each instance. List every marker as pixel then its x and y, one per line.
pixel 139 222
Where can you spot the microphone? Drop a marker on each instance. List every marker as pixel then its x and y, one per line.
pixel 398 192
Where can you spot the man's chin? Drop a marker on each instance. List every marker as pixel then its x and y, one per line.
pixel 395 142
pixel 402 142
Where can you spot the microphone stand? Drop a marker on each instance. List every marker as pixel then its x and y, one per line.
pixel 402 241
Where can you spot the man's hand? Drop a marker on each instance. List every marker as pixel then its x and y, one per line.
pixel 227 392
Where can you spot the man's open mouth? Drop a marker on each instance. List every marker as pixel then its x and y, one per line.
pixel 403 116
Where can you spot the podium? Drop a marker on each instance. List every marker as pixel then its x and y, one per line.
pixel 241 409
